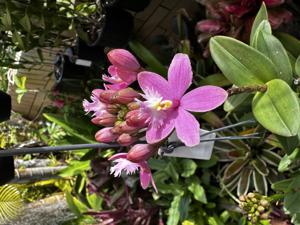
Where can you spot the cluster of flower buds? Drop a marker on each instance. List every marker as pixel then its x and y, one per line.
pixel 256 206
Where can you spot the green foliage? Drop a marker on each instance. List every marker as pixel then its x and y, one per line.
pixel 10 203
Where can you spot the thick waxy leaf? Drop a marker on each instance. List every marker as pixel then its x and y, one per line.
pixel 270 157
pixel 234 168
pixel 291 202
pixel 235 101
pixel 260 166
pixel 271 47
pixel 261 15
pixel 290 43
pixel 244 182
pixel 287 160
pixel 174 213
pixel 215 79
pixel 260 183
pixel 240 63
pixel 188 167
pixel 277 109
pixel 264 26
pixel 297 66
pixel 288 143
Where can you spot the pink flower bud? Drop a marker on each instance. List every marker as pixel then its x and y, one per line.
pixel 124 128
pixel 113 109
pixel 97 92
pixel 108 96
pixel 126 139
pixel 124 59
pixel 105 135
pixel 126 96
pixel 210 26
pixel 141 152
pixel 137 119
pixel 106 119
pixel 133 106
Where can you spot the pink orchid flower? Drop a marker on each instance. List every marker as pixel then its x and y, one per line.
pixel 123 71
pixel 168 105
pixel 96 106
pixel 123 164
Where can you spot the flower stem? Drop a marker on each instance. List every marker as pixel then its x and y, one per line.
pixel 246 89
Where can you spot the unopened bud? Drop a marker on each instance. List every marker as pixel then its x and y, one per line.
pixel 105 135
pixel 124 59
pixel 141 152
pixel 133 106
pixel 124 128
pixel 106 119
pixel 251 195
pixel 126 139
pixel 126 96
pixel 108 96
pixel 242 198
pixel 137 119
pixel 264 203
pixel 112 108
pixel 260 209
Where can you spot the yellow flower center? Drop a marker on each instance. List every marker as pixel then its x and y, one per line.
pixel 163 105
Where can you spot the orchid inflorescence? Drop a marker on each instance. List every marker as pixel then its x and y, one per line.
pixel 128 115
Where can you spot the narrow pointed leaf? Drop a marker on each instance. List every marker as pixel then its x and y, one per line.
pixel 270 157
pixel 260 183
pixel 277 109
pixel 234 168
pixel 244 181
pixel 174 214
pixel 240 63
pixel 290 43
pixel 264 26
pixel 260 166
pixel 261 15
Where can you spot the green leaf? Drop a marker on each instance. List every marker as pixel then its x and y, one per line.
pixel 264 26
pixel 277 109
pixel 18 41
pixel 95 201
pixel 270 157
pixel 290 43
pixel 288 143
pixel 171 171
pixel 287 160
pixel 291 202
pixel 271 47
pixel 260 166
pixel 297 66
pixel 244 182
pixel 260 183
pixel 215 79
pixel 233 102
pixel 25 22
pixel 10 203
pixel 69 126
pixel 234 168
pixel 240 63
pixel 76 206
pixel 75 168
pixel 146 56
pixel 198 191
pixel 282 185
pixel 6 20
pixel 184 207
pixel 174 213
pixel 189 167
pixel 261 15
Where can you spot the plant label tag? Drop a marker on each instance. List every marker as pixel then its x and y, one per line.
pixel 83 62
pixel 202 151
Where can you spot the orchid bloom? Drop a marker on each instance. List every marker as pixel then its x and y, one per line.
pixel 96 106
pixel 123 71
pixel 123 164
pixel 167 104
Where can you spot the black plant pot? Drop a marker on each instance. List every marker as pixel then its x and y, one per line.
pixel 65 68
pixel 93 53
pixel 7 169
pixel 5 109
pixel 115 30
pixel 133 5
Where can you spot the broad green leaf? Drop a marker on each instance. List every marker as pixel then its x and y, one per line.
pixel 25 22
pixel 76 206
pixel 271 47
pixel 198 191
pixel 146 56
pixel 240 63
pixel 233 102
pixel 10 203
pixel 297 66
pixel 264 26
pixel 290 43
pixel 75 168
pixel 188 167
pixel 60 120
pixel 95 201
pixel 291 202
pixel 287 160
pixel 282 185
pixel 215 79
pixel 174 213
pixel 277 109
pixel 6 20
pixel 288 143
pixel 261 15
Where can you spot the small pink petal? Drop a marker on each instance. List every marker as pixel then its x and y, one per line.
pixel 154 82
pixel 97 92
pixel 123 58
pixel 180 75
pixel 118 156
pixel 187 128
pixel 118 86
pixel 145 178
pixel 204 98
pixel 156 133
pixel 125 75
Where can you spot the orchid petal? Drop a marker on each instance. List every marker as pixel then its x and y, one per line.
pixel 204 99
pixel 125 75
pixel 180 75
pixel 149 81
pixel 187 128
pixel 157 132
pixel 123 58
pixel 118 156
pixel 97 92
pixel 116 87
pixel 145 178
